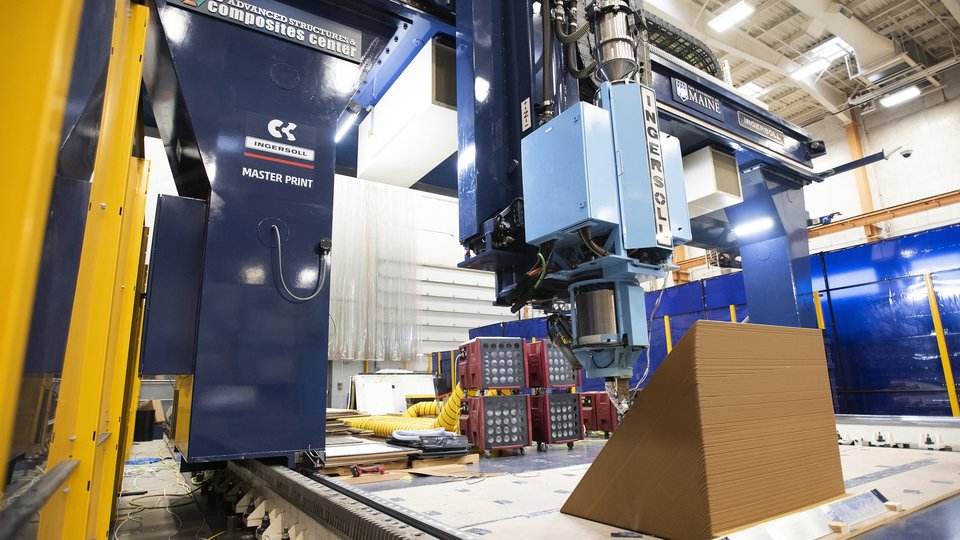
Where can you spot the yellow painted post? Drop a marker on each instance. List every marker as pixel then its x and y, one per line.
pixel 37 72
pixel 118 350
pixel 942 346
pixel 666 333
pixel 818 307
pixel 74 512
pixel 132 391
pixel 453 370
pixel 733 313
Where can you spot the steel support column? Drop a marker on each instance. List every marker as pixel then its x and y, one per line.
pixel 41 62
pixel 776 257
pixel 864 192
pixel 86 401
pixel 119 360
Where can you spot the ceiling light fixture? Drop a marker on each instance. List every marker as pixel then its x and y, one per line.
pixel 752 89
pixel 816 66
pixel 900 96
pixel 731 16
pixel 832 49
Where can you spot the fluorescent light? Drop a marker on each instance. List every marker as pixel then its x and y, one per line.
pixel 900 96
pixel 832 49
pixel 348 121
pixel 751 228
pixel 752 89
pixel 816 66
pixel 731 16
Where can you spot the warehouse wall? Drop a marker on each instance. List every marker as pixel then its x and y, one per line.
pixel 931 127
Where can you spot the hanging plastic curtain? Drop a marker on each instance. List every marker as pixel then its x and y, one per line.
pixel 374 296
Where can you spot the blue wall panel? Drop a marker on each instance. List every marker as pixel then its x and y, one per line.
pixel 947 287
pixel 888 346
pixel 881 348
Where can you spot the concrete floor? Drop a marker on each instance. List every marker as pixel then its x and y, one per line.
pixel 167 513
pixel 938 522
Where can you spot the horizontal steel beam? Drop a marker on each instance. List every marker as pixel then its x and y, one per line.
pixel 872 218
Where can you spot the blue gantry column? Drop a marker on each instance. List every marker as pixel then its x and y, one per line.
pixel 771 229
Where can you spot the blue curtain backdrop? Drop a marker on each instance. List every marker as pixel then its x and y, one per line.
pixel 882 350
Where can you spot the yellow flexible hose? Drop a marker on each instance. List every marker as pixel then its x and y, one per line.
pixel 383 426
pixel 448 417
pixel 423 408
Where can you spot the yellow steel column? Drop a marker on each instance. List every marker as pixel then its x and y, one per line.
pixel 131 396
pixel 118 348
pixel 818 307
pixel 733 313
pixel 666 333
pixel 78 428
pixel 942 346
pixel 453 370
pixel 41 63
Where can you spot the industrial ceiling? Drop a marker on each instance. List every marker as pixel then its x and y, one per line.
pixel 884 46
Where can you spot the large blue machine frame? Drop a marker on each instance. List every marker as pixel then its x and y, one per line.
pixel 259 362
pixel 490 36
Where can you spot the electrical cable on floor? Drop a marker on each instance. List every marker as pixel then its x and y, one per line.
pixel 179 522
pixel 153 468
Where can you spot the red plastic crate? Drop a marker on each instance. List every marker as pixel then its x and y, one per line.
pixel 556 418
pixel 547 367
pixel 493 364
pixel 497 422
pixel 599 412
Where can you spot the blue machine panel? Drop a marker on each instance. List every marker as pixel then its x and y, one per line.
pixel 173 287
pixel 217 89
pixel 677 201
pixel 637 170
pixel 57 280
pixel 569 170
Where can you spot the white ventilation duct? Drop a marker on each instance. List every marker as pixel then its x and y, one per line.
pixel 413 127
pixel 870 46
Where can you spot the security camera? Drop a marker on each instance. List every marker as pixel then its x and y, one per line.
pixel 906 153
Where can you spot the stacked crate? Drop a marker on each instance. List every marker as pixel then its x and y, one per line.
pixel 557 414
pixel 494 422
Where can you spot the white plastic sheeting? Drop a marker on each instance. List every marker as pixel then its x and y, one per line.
pixel 374 288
